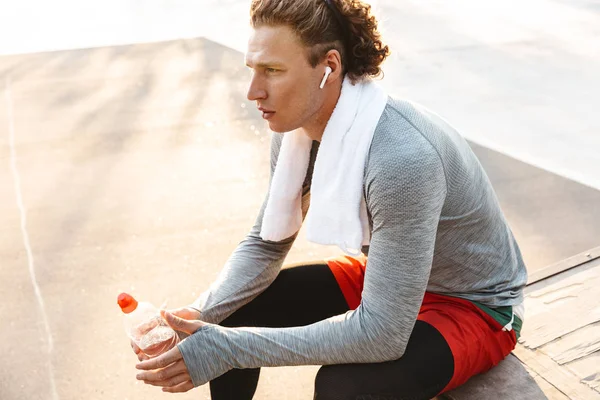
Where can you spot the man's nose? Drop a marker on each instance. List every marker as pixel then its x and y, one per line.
pixel 256 91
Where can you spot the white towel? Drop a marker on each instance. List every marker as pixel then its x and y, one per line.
pixel 338 212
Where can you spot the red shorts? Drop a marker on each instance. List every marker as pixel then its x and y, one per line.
pixel 476 340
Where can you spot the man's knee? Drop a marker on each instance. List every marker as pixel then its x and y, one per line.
pixel 329 384
pixel 333 382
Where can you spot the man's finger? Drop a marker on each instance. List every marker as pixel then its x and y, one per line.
pixel 140 354
pixel 171 382
pixel 135 347
pixel 161 361
pixel 186 313
pixel 180 324
pixel 182 387
pixel 164 374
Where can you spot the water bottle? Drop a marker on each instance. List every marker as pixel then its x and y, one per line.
pixel 146 327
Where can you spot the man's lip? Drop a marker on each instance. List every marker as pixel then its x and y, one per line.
pixel 265 110
pixel 267 115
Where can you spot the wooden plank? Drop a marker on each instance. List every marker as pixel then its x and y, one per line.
pixel 546 387
pixel 562 306
pixel 575 345
pixel 538 285
pixel 588 368
pixel 561 378
pixel 550 391
pixel 564 265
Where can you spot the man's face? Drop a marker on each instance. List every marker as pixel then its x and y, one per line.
pixel 284 85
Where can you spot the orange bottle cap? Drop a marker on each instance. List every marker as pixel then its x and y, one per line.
pixel 127 303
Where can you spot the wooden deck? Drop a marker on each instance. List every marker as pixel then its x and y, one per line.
pixel 560 342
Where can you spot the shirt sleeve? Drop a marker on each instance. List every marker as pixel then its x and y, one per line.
pixel 405 194
pixel 252 266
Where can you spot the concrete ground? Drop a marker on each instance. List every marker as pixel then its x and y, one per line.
pixel 139 168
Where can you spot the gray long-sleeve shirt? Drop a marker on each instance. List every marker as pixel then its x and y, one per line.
pixel 436 225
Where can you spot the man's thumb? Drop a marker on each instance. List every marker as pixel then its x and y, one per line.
pixel 179 324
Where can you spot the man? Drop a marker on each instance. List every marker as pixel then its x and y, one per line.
pixel 433 296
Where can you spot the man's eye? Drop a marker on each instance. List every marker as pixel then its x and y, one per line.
pixel 270 70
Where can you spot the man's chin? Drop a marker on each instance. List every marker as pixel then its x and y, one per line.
pixel 278 128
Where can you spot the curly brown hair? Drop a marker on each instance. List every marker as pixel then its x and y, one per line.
pixel 347 26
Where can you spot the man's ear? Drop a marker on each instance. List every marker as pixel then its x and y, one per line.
pixel 333 59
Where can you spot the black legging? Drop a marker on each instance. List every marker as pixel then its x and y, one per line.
pixel 305 294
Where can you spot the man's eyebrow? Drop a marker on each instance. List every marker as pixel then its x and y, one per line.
pixel 264 64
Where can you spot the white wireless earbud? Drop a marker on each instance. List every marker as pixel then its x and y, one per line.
pixel 327 72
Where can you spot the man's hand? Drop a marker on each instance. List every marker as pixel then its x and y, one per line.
pixel 169 370
pixel 138 352
pixel 186 313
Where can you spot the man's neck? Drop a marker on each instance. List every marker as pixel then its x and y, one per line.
pixel 316 128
